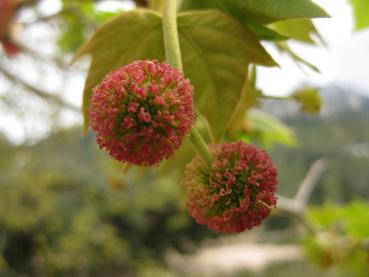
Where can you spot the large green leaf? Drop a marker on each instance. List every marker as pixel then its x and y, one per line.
pixel 216 51
pixel 265 11
pixel 361 11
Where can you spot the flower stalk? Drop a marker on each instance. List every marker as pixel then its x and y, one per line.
pixel 173 56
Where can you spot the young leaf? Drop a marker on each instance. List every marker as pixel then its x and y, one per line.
pixel 361 9
pixel 216 52
pixel 298 29
pixel 309 100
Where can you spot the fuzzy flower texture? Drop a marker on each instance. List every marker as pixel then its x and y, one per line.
pixel 236 193
pixel 142 112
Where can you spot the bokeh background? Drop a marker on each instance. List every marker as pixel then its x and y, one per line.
pixel 67 209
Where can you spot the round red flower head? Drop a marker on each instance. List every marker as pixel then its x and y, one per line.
pixel 142 112
pixel 236 193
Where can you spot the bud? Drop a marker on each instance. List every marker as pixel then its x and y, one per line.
pixel 142 112
pixel 309 99
pixel 236 193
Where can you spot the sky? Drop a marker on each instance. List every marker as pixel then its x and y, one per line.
pixel 345 61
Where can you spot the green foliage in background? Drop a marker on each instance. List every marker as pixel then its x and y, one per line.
pixel 93 219
pixel 332 137
pixel 361 8
pixel 344 239
pixel 79 20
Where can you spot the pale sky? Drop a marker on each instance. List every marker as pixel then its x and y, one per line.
pixel 345 62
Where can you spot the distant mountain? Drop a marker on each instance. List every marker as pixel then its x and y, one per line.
pixel 336 101
pixel 340 135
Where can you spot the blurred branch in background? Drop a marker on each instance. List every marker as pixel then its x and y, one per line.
pixel 37 91
pixel 297 205
pixel 322 239
pixel 310 181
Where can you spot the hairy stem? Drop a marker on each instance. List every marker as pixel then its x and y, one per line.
pixel 173 55
pixel 201 146
pixel 170 29
pixel 273 97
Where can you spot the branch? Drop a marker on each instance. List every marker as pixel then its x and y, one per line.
pixel 310 181
pixel 297 205
pixel 38 92
pixel 288 205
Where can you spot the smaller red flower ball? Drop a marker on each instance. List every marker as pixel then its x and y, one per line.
pixel 142 112
pixel 236 193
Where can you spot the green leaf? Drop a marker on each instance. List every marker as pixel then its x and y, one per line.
pixel 72 37
pixel 361 9
pixel 216 51
pixel 265 11
pixel 79 20
pixel 298 29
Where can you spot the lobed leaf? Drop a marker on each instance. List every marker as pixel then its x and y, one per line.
pixel 216 53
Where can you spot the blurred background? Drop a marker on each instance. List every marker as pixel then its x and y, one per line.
pixel 67 209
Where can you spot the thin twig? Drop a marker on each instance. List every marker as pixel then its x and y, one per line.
pixel 37 91
pixel 288 205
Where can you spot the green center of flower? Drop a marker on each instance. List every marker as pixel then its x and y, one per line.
pixel 228 188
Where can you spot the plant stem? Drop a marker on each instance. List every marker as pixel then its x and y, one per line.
pixel 170 29
pixel 200 145
pixel 173 55
pixel 272 97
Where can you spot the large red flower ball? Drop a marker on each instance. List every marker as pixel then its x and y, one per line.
pixel 142 112
pixel 236 193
